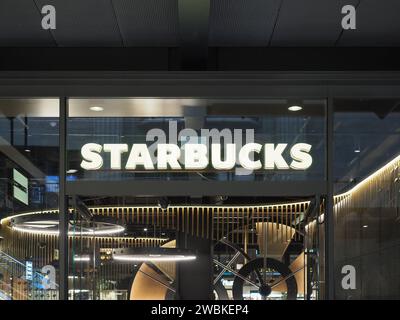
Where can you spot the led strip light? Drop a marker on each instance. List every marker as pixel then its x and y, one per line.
pixel 115 229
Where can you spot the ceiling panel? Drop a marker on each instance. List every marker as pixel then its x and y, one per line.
pixel 309 22
pixel 255 23
pixel 378 24
pixel 148 22
pixel 242 22
pixel 84 23
pixel 20 25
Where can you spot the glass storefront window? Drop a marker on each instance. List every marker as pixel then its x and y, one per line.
pixel 117 134
pixel 274 242
pixel 235 248
pixel 29 187
pixel 367 198
pixel 285 138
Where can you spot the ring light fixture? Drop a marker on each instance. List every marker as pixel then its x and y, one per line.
pixel 48 224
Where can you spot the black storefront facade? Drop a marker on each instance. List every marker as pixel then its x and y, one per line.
pixel 317 227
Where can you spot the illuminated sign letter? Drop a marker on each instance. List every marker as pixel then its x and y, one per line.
pixel 273 156
pixel 301 159
pixel 139 155
pixel 196 156
pixel 244 156
pixel 115 154
pixel 230 156
pixel 168 154
pixel 92 158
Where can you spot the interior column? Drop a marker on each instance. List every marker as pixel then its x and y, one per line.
pixel 194 279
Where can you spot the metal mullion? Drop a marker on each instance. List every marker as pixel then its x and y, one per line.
pixel 329 221
pixel 63 202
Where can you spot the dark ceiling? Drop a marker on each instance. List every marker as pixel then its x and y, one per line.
pixel 224 23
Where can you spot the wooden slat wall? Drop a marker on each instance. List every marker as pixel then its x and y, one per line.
pixel 203 221
pixel 226 221
pixel 380 189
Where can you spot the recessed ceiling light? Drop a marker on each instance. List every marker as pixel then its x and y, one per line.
pixel 295 108
pixel 357 151
pixel 27 150
pixel 145 229
pixel 96 108
pixel 70 171
pixel 365 226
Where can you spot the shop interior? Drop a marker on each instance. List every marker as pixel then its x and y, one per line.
pixel 135 246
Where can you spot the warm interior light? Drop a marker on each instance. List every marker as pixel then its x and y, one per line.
pixel 152 254
pixel 370 177
pixel 82 258
pixel 96 108
pixel 40 229
pixel 46 224
pixel 295 108
pixel 358 186
pixel 150 258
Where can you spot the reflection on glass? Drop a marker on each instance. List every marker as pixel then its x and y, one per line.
pixel 29 153
pixel 167 246
pixel 367 201
pixel 253 139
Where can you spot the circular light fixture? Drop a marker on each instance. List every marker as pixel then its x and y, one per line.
pixel 295 108
pixel 96 108
pixel 357 150
pixel 53 230
pixel 152 255
pixel 71 171
pixel 28 150
pixel 365 226
pixel 47 224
